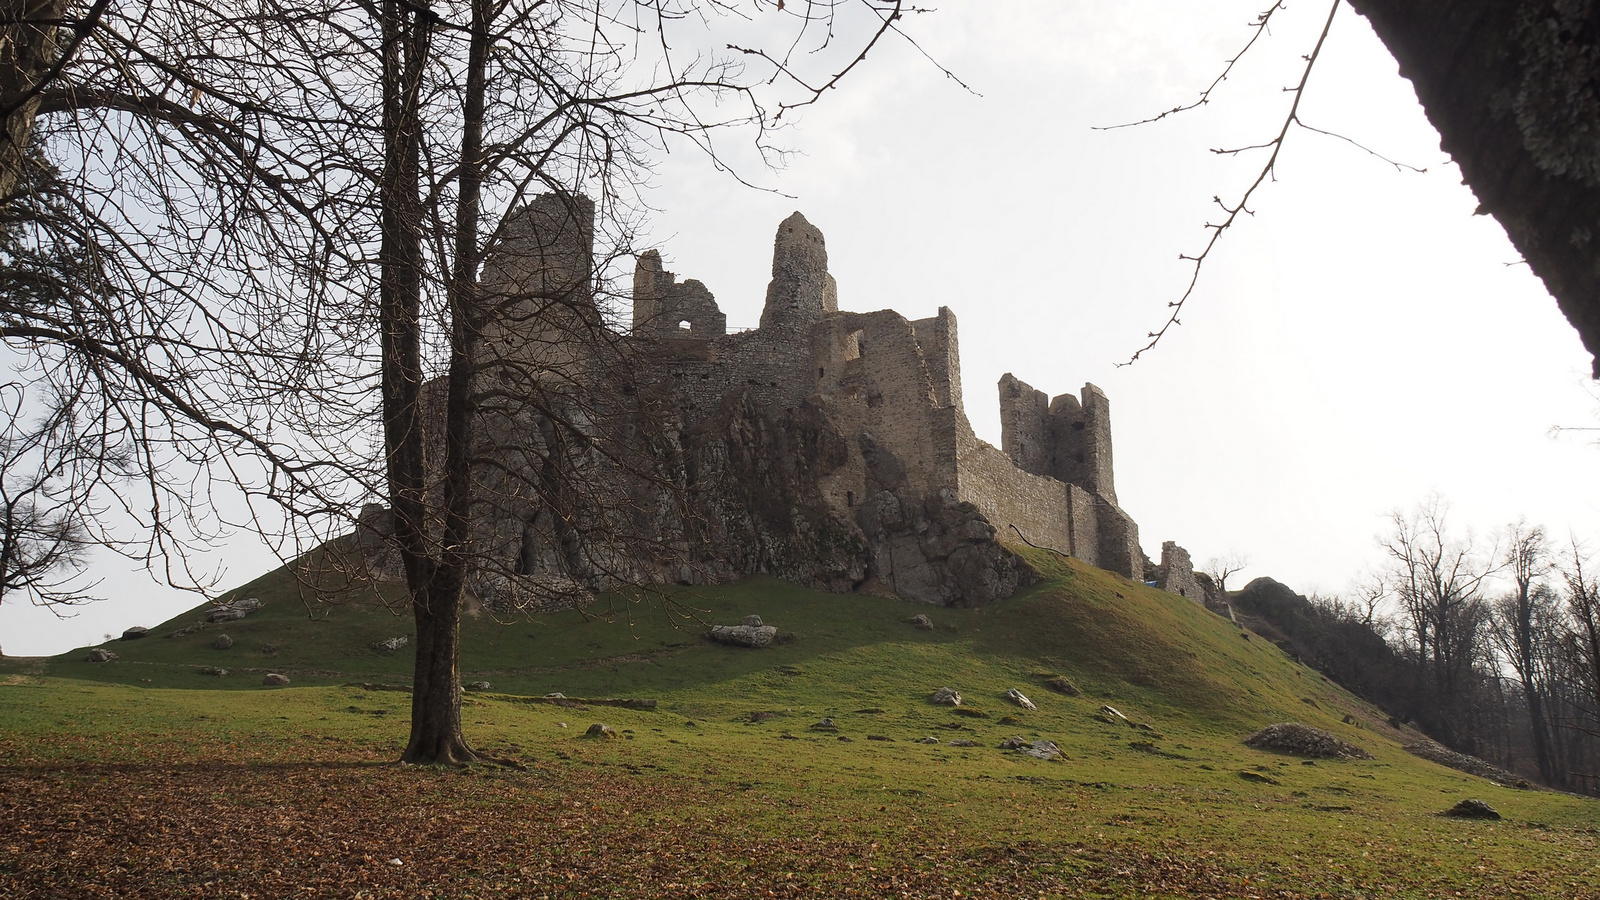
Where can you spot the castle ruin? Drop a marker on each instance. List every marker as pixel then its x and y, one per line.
pixel 826 447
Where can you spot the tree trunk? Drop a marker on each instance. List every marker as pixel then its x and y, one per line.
pixel 436 737
pixel 29 47
pixel 1509 86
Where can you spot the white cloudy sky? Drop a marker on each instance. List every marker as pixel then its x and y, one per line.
pixel 1361 342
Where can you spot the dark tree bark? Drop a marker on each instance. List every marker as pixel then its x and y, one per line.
pixel 1513 88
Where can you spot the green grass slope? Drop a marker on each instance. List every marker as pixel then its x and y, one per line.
pixel 733 747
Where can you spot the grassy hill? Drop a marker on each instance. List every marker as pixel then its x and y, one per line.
pixel 728 770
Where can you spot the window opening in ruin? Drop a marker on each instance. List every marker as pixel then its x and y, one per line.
pixel 1077 426
pixel 820 372
pixel 852 345
pixel 849 498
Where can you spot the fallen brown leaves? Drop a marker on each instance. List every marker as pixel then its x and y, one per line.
pixel 332 828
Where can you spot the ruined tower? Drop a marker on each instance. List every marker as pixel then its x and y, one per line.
pixel 663 307
pixel 801 290
pixel 1068 438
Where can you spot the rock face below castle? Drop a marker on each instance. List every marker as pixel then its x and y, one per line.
pixel 827 448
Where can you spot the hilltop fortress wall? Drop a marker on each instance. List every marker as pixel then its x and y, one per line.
pixel 832 448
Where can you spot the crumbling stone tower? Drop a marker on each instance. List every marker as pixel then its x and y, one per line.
pixel 1068 438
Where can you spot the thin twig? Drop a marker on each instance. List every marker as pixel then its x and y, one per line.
pixel 1260 27
pixel 1233 211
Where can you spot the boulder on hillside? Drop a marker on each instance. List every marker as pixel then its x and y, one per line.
pixel 391 645
pixel 100 655
pixel 598 731
pixel 1303 740
pixel 134 633
pixel 1020 699
pixel 223 642
pixel 921 622
pixel 753 621
pixel 946 697
pixel 275 679
pixel 224 614
pixel 753 636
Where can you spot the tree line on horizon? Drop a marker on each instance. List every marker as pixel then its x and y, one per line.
pixel 1490 647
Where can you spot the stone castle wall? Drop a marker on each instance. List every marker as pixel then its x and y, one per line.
pixel 829 447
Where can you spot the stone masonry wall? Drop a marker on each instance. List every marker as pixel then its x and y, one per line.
pixel 829 448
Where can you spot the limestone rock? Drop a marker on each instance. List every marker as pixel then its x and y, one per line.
pixel 134 633
pixel 217 671
pixel 223 642
pixel 391 645
pixel 100 655
pixel 478 686
pixel 752 621
pixel 1041 749
pixel 1472 809
pixel 922 622
pixel 225 614
pixel 275 679
pixel 1013 743
pixel 598 731
pixel 825 725
pixel 1114 716
pixel 755 636
pixel 946 697
pixel 963 742
pixel 1020 699
pixel 928 740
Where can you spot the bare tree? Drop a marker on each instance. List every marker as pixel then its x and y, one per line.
pixel 1221 568
pixel 1440 580
pixel 1524 620
pixel 293 208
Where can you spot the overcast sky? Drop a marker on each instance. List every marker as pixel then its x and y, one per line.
pixel 1361 342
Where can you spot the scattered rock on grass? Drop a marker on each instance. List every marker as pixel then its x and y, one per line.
pixel 752 621
pixel 1471 809
pixel 100 655
pixel 1041 750
pixel 223 642
pixel 599 731
pixel 930 739
pixel 1248 775
pixel 1113 715
pixel 753 636
pixel 478 686
pixel 880 737
pixel 921 621
pixel 1020 699
pixel 825 725
pixel 217 671
pixel 962 742
pixel 946 697
pixel 1013 743
pixel 134 633
pixel 392 644
pixel 225 614
pixel 275 679
pixel 1303 740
